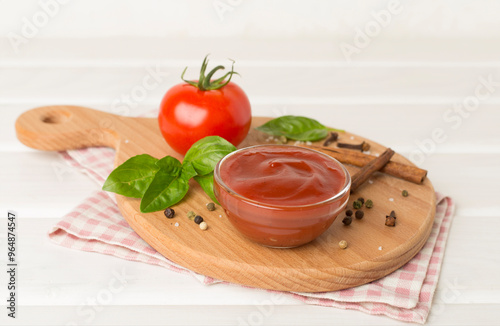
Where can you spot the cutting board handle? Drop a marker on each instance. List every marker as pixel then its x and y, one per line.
pixel 63 127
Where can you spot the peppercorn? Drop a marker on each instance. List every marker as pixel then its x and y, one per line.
pixel 282 139
pixel 211 206
pixel 390 220
pixel 362 200
pixel 343 244
pixel 357 204
pixel 169 213
pixel 359 214
pixel 369 203
pixel 203 226
pixel 405 193
pixel 198 219
pixel 347 220
pixel 191 215
pixel 348 212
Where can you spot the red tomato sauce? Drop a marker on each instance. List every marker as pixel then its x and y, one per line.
pixel 281 196
pixel 281 176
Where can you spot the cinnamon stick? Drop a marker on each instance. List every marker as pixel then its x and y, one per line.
pixel 366 171
pixel 398 170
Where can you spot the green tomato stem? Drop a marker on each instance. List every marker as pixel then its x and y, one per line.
pixel 205 82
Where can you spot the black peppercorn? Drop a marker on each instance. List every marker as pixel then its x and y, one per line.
pixel 348 212
pixel 198 219
pixel 347 220
pixel 359 214
pixel 169 213
pixel 211 206
pixel 362 200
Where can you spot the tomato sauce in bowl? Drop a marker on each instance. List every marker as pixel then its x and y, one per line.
pixel 281 196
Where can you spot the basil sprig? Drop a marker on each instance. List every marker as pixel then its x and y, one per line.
pixel 163 183
pixel 296 128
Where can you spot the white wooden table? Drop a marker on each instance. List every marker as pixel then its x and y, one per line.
pixel 398 98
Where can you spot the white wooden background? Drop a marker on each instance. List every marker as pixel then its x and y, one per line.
pixel 416 75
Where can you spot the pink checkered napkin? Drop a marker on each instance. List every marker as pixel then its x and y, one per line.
pixel 97 225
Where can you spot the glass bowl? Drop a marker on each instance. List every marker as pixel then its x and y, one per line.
pixel 275 224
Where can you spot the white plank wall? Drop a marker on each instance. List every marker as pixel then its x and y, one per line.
pixel 417 75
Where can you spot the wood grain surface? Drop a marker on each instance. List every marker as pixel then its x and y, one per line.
pixel 374 250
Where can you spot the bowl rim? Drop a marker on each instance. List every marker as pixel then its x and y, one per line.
pixel 344 190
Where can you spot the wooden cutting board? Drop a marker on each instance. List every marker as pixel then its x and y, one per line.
pixel 374 250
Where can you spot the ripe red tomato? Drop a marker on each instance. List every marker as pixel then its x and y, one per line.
pixel 188 113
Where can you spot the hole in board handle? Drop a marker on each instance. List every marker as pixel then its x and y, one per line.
pixel 56 117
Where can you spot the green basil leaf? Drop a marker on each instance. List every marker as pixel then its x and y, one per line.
pixel 188 171
pixel 169 165
pixel 310 135
pixel 206 153
pixel 207 184
pixel 166 189
pixel 296 128
pixel 132 177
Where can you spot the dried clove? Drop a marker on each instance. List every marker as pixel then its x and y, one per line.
pixel 390 220
pixel 332 138
pixel 363 147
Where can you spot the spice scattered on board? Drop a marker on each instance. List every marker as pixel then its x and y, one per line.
pixel 347 220
pixel 332 138
pixel 390 220
pixel 191 215
pixel 282 140
pixel 211 206
pixel 369 203
pixel 203 226
pixel 198 219
pixel 363 147
pixel 169 213
pixel 357 204
pixel 359 214
pixel 405 193
pixel 343 244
